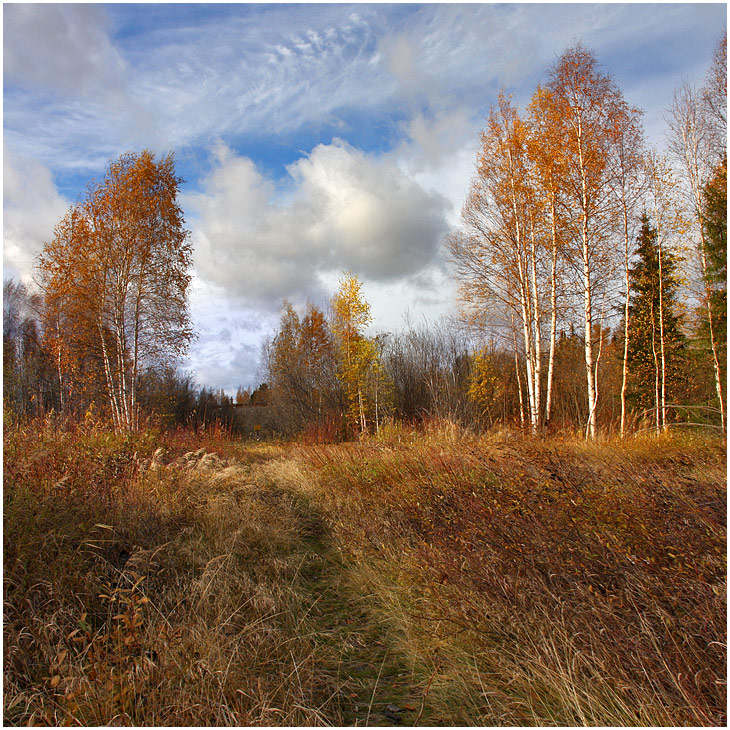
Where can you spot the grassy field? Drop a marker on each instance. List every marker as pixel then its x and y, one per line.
pixel 431 578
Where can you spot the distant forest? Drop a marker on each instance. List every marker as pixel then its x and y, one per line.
pixel 592 271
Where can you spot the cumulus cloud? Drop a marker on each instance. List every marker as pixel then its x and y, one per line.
pixel 344 210
pixel 31 209
pixel 226 351
pixel 439 153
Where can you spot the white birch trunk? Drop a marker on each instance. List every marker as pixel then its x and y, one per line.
pixel 553 315
pixel 537 346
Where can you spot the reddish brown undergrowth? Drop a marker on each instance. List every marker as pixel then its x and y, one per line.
pixel 148 590
pixel 465 580
pixel 590 579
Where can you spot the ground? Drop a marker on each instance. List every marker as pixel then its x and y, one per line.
pixel 431 578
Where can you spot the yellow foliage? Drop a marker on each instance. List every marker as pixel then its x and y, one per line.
pixel 483 380
pixel 358 355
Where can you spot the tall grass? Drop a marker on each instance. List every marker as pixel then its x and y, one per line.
pixel 558 582
pixel 425 578
pixel 165 595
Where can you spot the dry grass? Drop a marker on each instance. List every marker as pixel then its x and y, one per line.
pixel 545 582
pixel 165 596
pixel 432 578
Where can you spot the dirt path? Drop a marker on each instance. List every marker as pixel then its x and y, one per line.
pixel 376 685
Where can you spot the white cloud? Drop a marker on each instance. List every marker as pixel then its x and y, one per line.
pixel 226 351
pixel 75 91
pixel 346 210
pixel 64 48
pixel 67 96
pixel 31 209
pixel 292 66
pixel 439 154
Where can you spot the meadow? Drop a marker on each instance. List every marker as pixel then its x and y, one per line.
pixel 418 577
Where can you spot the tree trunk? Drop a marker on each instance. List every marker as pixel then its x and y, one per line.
pixel 553 315
pixel 662 348
pixel 627 302
pixel 657 399
pixel 113 401
pixel 624 372
pixel 517 372
pixel 587 292
pixel 537 346
pixel 588 319
pixel 713 342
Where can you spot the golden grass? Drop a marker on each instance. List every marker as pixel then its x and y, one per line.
pixel 440 578
pixel 166 597
pixel 557 582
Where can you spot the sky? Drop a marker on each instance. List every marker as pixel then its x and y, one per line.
pixel 313 138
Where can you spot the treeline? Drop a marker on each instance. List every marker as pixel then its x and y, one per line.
pixel 573 221
pixel 592 271
pixel 444 372
pixel 32 386
pixel 325 376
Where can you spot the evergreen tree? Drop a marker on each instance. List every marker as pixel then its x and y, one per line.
pixel 715 225
pixel 657 344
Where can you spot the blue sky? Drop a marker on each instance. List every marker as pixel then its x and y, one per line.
pixel 313 138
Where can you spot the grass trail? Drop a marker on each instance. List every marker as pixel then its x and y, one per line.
pixel 351 636
pixel 205 592
pixel 433 579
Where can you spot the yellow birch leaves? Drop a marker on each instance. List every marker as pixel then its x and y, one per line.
pixel 358 356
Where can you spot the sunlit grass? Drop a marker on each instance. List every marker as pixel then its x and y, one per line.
pixel 559 582
pixel 162 596
pixel 417 578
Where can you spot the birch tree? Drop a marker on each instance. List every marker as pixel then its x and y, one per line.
pixel 25 366
pixel 497 254
pixel 628 183
pixel 357 353
pixel 548 165
pixel 714 223
pixel 692 143
pixel 300 368
pixel 115 278
pixel 670 226
pixel 588 110
pixel 714 99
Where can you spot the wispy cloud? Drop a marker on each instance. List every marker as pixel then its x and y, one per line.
pixel 63 48
pixel 84 82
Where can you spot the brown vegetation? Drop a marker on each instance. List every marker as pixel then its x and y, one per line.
pixel 417 578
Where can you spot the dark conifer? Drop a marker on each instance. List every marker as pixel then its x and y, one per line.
pixel 654 310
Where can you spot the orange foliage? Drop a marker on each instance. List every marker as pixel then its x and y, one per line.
pixel 115 278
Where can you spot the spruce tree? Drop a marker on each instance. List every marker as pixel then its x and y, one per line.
pixel 656 341
pixel 714 221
